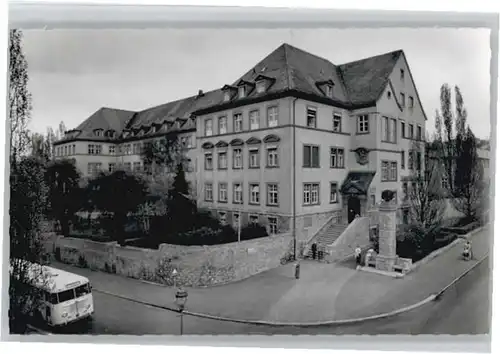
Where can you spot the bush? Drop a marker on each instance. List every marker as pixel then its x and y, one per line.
pixel 252 231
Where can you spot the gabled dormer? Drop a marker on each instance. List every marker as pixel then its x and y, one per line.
pixel 263 82
pixel 326 86
pixel 229 92
pixel 98 132
pixel 244 88
pixel 110 134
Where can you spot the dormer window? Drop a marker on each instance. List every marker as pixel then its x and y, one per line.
pixel 98 132
pixel 241 92
pixel 227 96
pixel 261 86
pixel 329 90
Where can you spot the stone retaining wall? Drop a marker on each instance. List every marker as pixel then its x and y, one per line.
pixel 196 265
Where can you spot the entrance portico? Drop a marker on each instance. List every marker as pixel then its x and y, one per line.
pixel 355 194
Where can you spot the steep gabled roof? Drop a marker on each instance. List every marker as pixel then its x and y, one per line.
pixel 292 71
pixel 365 79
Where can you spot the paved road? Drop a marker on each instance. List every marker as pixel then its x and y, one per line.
pixel 464 309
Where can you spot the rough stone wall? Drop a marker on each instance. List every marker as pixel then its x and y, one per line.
pixel 196 265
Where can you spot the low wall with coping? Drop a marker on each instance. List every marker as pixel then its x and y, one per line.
pixel 196 265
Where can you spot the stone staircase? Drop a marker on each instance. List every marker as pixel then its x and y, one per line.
pixel 326 237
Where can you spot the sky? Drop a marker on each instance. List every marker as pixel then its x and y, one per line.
pixel 75 72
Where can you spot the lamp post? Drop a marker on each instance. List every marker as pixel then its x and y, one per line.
pixel 181 299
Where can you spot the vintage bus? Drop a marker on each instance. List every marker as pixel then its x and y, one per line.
pixel 67 297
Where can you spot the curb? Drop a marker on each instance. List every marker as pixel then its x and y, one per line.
pixel 432 297
pixel 444 249
pixel 38 330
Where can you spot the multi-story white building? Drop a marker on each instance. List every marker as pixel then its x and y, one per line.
pixel 295 140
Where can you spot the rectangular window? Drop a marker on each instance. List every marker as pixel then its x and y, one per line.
pixel 254 193
pixel 222 125
pixel 223 192
pixel 329 90
pixel 410 101
pixel 334 193
pixel 127 149
pixel 254 120
pixel 311 117
pixel 385 129
pixel 260 86
pixel 410 160
pixel 337 123
pixel 272 157
pixel 209 193
pixel 209 164
pixel 393 172
pixel 336 158
pixel 237 159
pixel 66 150
pixel 91 149
pixel 311 193
pixel 392 130
pixel 254 219
pixel 112 149
pixel 403 158
pixel 208 127
pixel 419 161
pixel 237 193
pixel 227 96
pixel 272 117
pixel 272 194
pixel 410 132
pixel 137 166
pixel 402 97
pixel 403 130
pixel 402 75
pixel 128 166
pixel 311 156
pixel 253 156
pixel 223 217
pixel 98 149
pixel 111 167
pixel 389 171
pixel 238 122
pixel 222 161
pixel 241 91
pixel 273 225
pixel 93 168
pixel 419 133
pixel 74 149
pixel 363 126
pixel 136 149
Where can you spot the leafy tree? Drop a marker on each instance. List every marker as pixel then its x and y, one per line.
pixel 28 200
pixel 470 187
pixel 119 194
pixel 162 153
pixel 180 184
pixel 426 203
pixel 27 194
pixel 19 97
pixel 64 193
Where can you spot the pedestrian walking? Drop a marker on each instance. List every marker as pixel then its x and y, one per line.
pixel 357 254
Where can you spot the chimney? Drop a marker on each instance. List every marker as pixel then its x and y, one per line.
pixel 200 93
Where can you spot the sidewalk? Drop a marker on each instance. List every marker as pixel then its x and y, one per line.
pixel 324 292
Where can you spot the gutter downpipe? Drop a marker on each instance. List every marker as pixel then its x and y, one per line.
pixel 294 224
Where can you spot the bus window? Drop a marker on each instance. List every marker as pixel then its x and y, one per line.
pixel 82 290
pixel 66 295
pixel 51 298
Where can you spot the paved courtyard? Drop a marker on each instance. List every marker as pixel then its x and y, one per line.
pixel 323 292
